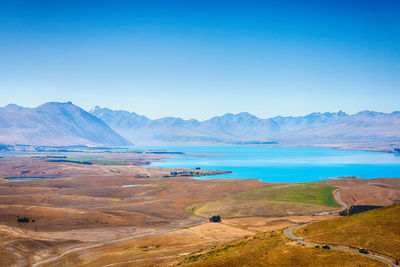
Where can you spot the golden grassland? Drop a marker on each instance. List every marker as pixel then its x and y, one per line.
pixel 155 248
pixel 376 230
pixel 88 204
pixel 379 191
pixel 160 248
pixel 271 249
pixel 265 224
pixel 16 243
pixel 278 200
pixel 206 245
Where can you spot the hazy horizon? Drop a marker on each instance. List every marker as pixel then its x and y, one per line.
pixel 217 115
pixel 202 59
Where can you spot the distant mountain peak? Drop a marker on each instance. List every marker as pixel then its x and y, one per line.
pixel 98 109
pixel 55 123
pixel 13 107
pixel 69 103
pixel 58 105
pixel 246 115
pixel 334 114
pixel 342 114
pixel 369 113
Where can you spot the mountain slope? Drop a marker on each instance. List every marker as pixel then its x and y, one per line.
pixel 55 124
pixel 315 128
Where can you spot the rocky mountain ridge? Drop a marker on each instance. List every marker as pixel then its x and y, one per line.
pixel 55 124
pixel 315 128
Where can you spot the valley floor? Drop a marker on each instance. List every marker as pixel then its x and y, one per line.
pixel 86 217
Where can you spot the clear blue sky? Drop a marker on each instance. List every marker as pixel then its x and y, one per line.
pixel 196 59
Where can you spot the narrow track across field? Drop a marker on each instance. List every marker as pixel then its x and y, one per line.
pixel 289 233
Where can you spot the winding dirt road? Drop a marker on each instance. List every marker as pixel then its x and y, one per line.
pixel 339 199
pixel 114 241
pixel 289 233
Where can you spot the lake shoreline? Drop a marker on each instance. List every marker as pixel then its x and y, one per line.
pixel 289 164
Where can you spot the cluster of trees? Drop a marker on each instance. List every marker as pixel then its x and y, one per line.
pixel 185 173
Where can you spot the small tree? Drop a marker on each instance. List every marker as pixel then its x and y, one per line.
pixel 215 219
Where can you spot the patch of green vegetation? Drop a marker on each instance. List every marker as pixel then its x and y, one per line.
pixel 316 194
pixel 70 161
pixel 229 208
pixel 278 200
pixel 191 210
pixel 90 160
pixel 110 161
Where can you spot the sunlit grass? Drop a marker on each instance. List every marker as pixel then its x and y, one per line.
pixel 299 193
pixel 272 249
pixel 297 199
pixel 376 230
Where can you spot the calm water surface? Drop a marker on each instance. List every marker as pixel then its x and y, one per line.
pixel 130 185
pixel 283 164
pixel 20 179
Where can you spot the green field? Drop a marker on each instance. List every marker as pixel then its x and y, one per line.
pixel 279 200
pixel 91 160
pixel 376 230
pixel 299 193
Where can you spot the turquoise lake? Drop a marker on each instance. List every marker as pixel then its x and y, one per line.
pixel 283 164
pixel 21 179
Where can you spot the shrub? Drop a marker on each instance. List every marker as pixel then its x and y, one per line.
pixel 22 219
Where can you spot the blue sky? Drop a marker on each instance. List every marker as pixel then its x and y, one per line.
pixel 197 59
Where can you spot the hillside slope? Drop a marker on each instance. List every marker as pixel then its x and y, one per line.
pixel 55 124
pixel 376 230
pixel 271 249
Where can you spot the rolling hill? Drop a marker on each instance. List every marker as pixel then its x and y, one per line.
pixel 275 200
pixel 376 230
pixel 271 249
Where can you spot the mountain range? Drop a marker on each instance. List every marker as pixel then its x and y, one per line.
pixel 366 127
pixel 66 124
pixel 55 124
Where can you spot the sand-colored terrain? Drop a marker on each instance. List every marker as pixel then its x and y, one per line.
pixel 377 192
pixel 155 248
pixel 32 167
pixel 77 209
pixel 262 224
pixel 162 248
pixel 87 213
